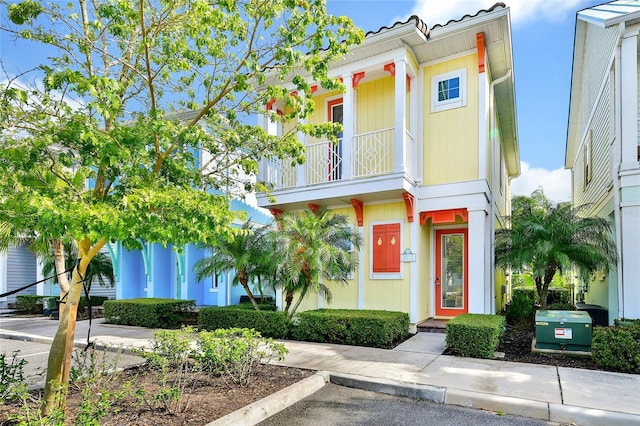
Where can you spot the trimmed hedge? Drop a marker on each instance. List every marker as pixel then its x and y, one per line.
pixel 268 322
pixel 475 335
pixel 617 348
pixel 378 329
pixel 31 303
pixel 148 312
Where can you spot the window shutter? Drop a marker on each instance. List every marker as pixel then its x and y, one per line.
pixel 386 248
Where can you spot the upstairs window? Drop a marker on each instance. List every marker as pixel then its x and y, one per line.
pixel 448 90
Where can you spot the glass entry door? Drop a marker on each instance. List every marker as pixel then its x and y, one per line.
pixel 451 281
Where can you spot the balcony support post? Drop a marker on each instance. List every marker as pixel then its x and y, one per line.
pixel 400 113
pixel 301 170
pixel 347 123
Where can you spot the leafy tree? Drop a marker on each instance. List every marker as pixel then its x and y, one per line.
pixel 546 239
pixel 246 253
pixel 314 244
pixel 100 267
pixel 133 92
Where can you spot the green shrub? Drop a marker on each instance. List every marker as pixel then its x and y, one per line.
pixel 617 348
pixel 95 301
pixel 529 292
pixel 235 353
pixel 558 296
pixel 11 376
pixel 249 306
pixel 31 303
pixel 378 329
pixel 148 312
pixel 475 335
pixel 520 310
pixel 269 323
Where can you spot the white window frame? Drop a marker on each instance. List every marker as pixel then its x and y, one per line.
pixel 460 101
pixel 386 275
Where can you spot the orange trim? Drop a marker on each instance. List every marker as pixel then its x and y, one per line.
pixel 481 51
pixel 386 248
pixel 314 207
pixel 440 217
pixel 390 68
pixel 357 77
pixel 294 93
pixel 270 104
pixel 276 213
pixel 358 206
pixel 314 89
pixel 330 105
pixel 443 310
pixel 408 201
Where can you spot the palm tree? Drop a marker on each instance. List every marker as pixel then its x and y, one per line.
pixel 100 267
pixel 314 245
pixel 545 239
pixel 245 253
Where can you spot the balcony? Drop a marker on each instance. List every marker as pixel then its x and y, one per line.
pixel 366 165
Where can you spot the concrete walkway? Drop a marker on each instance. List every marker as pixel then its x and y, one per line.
pixel 417 368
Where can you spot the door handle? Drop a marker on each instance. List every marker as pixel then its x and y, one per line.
pixel 437 280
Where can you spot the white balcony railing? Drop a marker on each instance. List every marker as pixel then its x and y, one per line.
pixel 280 173
pixel 373 153
pixel 324 162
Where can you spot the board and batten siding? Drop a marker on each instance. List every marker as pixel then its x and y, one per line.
pixel 601 132
pixel 21 270
pixel 601 43
pixel 450 137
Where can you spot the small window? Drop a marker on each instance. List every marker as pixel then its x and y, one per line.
pixel 385 250
pixel 448 90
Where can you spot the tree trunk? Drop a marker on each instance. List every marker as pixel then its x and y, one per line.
pixel 288 300
pixel 295 307
pixel 542 285
pixel 59 363
pixel 60 267
pixel 244 282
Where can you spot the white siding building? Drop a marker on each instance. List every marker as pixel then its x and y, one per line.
pixel 602 142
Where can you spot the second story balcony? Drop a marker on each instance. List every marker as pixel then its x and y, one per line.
pixel 375 157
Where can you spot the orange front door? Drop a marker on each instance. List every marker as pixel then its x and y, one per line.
pixel 452 253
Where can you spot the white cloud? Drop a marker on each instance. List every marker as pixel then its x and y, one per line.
pixel 556 184
pixel 522 11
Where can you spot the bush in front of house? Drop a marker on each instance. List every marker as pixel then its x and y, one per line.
pixel 475 335
pixel 30 303
pixel 520 311
pixel 266 321
pixel 148 312
pixel 95 301
pixel 617 348
pixel 378 329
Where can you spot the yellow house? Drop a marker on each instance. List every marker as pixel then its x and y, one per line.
pixel 423 166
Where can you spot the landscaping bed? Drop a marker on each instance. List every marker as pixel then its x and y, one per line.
pixel 211 398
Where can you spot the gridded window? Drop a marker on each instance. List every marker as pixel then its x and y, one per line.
pixel 448 90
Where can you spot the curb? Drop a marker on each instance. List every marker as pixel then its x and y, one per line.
pixel 266 407
pixel 391 387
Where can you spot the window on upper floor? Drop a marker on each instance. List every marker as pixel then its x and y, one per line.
pixel 385 251
pixel 449 90
pixel 587 160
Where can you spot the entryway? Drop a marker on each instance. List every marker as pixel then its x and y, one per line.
pixel 451 283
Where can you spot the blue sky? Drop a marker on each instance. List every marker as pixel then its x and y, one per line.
pixel 542 32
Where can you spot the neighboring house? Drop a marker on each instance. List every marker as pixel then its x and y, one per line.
pixel 602 142
pixel 17 269
pixel 423 167
pixel 156 271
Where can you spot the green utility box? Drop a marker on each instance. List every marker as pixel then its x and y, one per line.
pixel 563 330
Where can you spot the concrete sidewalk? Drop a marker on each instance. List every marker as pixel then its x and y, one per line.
pixel 417 368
